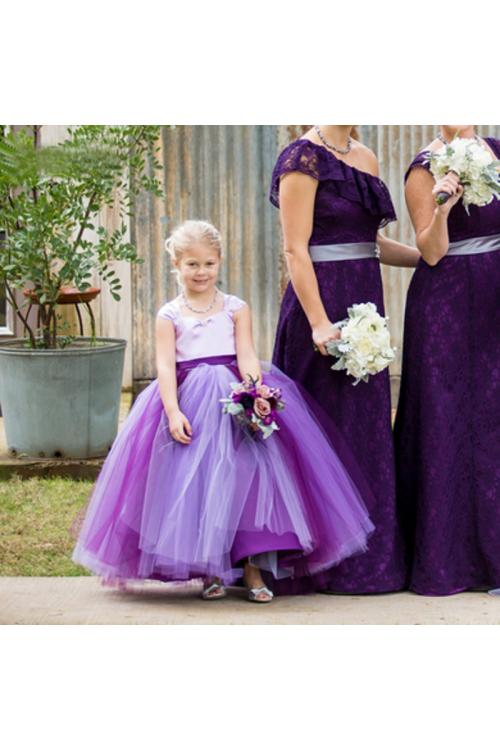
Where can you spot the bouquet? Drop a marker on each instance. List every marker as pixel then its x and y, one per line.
pixel 475 167
pixel 364 346
pixel 254 406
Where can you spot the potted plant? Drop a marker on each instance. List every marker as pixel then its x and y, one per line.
pixel 60 394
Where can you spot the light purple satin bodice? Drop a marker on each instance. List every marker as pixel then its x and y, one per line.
pixel 208 337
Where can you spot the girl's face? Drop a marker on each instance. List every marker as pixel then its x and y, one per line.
pixel 198 268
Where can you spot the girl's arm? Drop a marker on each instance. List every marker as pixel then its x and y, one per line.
pixel 429 220
pixel 297 196
pixel 394 253
pixel 248 362
pixel 178 424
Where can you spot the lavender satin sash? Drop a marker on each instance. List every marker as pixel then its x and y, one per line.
pixel 475 245
pixel 343 251
pixel 184 366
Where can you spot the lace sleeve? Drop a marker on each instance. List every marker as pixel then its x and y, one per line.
pixel 299 156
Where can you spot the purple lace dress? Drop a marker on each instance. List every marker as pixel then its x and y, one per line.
pixel 350 207
pixel 448 420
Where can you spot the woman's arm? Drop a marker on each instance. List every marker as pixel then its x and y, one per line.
pixel 297 195
pixel 429 220
pixel 394 253
pixel 248 362
pixel 178 424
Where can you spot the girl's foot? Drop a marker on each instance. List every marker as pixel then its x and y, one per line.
pixel 213 589
pixel 257 591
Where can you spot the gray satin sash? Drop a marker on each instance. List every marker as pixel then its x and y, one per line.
pixel 345 251
pixel 475 245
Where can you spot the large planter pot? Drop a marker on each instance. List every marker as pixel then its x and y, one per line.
pixel 63 402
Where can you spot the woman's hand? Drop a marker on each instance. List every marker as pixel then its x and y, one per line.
pixel 449 184
pixel 324 333
pixel 179 427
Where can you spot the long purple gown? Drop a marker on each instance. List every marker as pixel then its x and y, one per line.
pixel 350 206
pixel 448 420
pixel 167 511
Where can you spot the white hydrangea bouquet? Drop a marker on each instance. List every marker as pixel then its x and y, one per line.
pixel 475 167
pixel 364 347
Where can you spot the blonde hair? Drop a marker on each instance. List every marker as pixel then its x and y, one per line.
pixel 188 233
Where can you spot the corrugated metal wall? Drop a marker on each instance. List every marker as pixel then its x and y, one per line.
pixel 222 173
pixel 219 173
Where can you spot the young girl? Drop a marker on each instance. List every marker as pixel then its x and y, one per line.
pixel 185 492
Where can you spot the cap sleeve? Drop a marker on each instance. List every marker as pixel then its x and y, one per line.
pixel 234 303
pixel 421 160
pixel 168 311
pixel 299 156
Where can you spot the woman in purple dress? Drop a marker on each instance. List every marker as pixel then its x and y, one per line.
pixel 448 420
pixel 332 205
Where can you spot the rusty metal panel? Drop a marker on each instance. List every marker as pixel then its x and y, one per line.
pixel 221 174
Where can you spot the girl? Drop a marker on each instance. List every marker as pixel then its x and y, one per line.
pixel 332 204
pixel 185 493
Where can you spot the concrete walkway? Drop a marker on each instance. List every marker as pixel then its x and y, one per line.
pixel 71 601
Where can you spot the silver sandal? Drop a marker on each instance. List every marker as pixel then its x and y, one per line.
pixel 252 595
pixel 207 592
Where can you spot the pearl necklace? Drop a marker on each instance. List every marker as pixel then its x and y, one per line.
pixel 206 309
pixel 330 145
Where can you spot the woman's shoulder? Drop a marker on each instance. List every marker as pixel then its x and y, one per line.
pixel 301 155
pixel 170 310
pixel 371 165
pixel 420 160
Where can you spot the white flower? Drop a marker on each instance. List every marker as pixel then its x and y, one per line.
pixel 475 167
pixel 364 347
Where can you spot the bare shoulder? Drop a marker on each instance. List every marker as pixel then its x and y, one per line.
pixel 365 157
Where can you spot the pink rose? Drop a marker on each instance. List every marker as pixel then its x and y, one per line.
pixel 261 407
pixel 264 391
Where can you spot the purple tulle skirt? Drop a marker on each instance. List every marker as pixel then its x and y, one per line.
pixel 167 511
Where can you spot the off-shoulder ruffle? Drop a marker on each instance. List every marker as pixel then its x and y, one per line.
pixel 348 182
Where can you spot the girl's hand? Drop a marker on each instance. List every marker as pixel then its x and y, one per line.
pixel 324 333
pixel 179 427
pixel 449 184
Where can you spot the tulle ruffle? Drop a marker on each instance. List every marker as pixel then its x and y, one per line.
pixel 167 511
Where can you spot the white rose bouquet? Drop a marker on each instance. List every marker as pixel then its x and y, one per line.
pixel 475 167
pixel 364 347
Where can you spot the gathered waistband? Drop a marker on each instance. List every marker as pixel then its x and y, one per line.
pixel 475 245
pixel 344 251
pixel 221 359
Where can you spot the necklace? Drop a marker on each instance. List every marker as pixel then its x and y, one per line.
pixel 206 309
pixel 441 138
pixel 330 145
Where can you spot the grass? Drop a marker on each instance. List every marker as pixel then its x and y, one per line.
pixel 36 516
